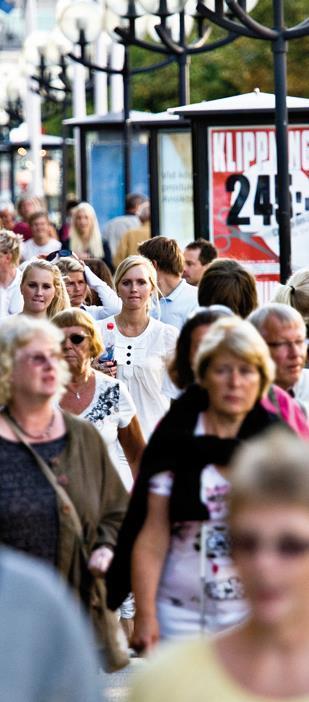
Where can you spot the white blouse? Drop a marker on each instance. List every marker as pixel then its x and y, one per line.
pixel 142 367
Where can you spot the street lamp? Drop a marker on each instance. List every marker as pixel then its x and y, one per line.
pixel 244 25
pixel 176 49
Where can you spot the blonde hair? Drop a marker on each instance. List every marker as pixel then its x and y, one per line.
pixel 137 260
pixel 270 469
pixel 11 243
pixel 61 298
pixel 241 339
pixel 77 317
pixel 296 293
pixel 94 245
pixel 17 333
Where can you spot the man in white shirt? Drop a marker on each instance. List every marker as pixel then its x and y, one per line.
pixel 179 299
pixel 41 242
pixel 284 331
pixel 11 299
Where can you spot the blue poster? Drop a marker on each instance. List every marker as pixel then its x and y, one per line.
pixel 7 6
pixel 106 189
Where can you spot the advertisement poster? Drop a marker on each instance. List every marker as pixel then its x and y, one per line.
pixel 106 177
pixel 176 186
pixel 243 198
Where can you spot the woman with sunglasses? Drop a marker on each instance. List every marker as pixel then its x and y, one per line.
pixel 60 499
pixel 92 395
pixel 266 658
pixel 43 289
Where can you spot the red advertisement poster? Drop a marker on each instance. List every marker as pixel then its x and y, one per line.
pixel 243 196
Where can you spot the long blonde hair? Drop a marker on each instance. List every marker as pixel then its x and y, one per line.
pixel 94 246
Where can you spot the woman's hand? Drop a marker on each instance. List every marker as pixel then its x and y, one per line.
pixel 107 367
pixel 146 633
pixel 100 560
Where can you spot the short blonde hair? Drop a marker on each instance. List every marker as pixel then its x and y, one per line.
pixel 137 260
pixel 75 317
pixel 241 339
pixel 61 298
pixel 270 469
pixel 11 243
pixel 18 332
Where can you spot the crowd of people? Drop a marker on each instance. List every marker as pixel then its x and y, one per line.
pixel 154 420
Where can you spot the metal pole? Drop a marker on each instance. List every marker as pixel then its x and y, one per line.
pixel 33 113
pixel 183 66
pixel 127 135
pixel 284 217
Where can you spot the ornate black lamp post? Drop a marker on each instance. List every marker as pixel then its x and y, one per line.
pixel 278 35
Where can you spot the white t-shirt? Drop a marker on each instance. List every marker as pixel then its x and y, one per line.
pixel 188 562
pixel 142 367
pixel 11 299
pixel 29 249
pixel 111 408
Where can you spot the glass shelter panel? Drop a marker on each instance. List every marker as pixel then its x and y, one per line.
pixel 105 171
pixel 176 185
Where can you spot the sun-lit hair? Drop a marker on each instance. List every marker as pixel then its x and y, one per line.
pixel 241 339
pixel 94 244
pixel 165 252
pixel 179 369
pixel 137 260
pixel 61 298
pixel 17 332
pixel 296 293
pixel 285 314
pixel 75 317
pixel 268 470
pixel 11 243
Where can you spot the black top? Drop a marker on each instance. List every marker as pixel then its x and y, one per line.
pixel 174 447
pixel 28 503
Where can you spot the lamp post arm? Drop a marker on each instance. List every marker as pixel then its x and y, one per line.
pixel 153 67
pixel 199 43
pixel 128 39
pixel 193 49
pixel 300 30
pixel 231 26
pixel 260 31
pixel 167 40
pixel 94 66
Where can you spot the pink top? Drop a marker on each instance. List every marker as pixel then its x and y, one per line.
pixel 288 409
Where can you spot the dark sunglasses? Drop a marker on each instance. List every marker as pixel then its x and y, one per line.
pixel 63 253
pixel 76 339
pixel 286 546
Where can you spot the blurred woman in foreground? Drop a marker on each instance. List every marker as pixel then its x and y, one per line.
pixel 182 586
pixel 266 657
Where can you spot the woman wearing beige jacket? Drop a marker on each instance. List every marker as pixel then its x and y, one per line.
pixel 60 499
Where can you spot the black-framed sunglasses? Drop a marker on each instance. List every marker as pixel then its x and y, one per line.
pixel 285 546
pixel 76 339
pixel 63 253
